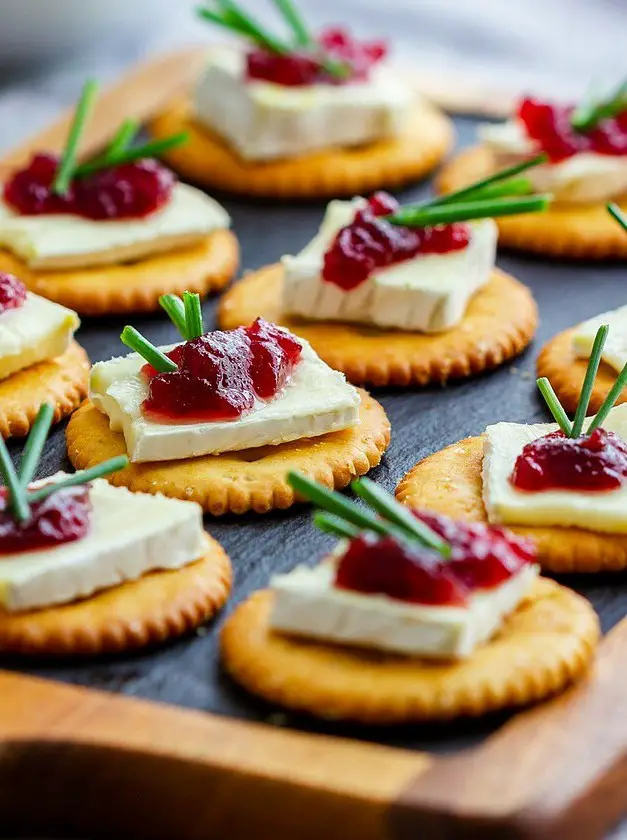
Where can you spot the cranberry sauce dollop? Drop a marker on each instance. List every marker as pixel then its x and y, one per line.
pixel 589 463
pixel 63 517
pixel 307 68
pixel 549 125
pixel 128 191
pixel 370 242
pixel 482 557
pixel 12 292
pixel 221 374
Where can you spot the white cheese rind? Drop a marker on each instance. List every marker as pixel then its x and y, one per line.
pixel 67 241
pixel 615 348
pixel 583 178
pixel 131 534
pixel 429 293
pixel 34 332
pixel 316 400
pixel 265 121
pixel 307 604
pixel 603 511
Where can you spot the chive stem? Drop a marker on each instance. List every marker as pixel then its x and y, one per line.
pixel 123 139
pixel 588 383
pixel 152 149
pixel 295 21
pixel 615 211
pixel 193 315
pixel 35 444
pixel 554 405
pixel 608 402
pixel 590 113
pixel 67 165
pixel 498 177
pixel 17 500
pixel 335 525
pixel 82 477
pixel 231 11
pixel 175 309
pixel 136 341
pixel 427 216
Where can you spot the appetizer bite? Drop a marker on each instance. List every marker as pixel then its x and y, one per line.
pixel 115 232
pixel 39 360
pixel 306 115
pixel 564 484
pixel 417 282
pixel 88 568
pixel 412 617
pixel 581 151
pixel 219 417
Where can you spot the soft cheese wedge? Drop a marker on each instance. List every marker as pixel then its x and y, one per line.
pixel 615 348
pixel 315 401
pixel 131 534
pixel 36 331
pixel 429 293
pixel 67 241
pixel 306 603
pixel 596 511
pixel 265 121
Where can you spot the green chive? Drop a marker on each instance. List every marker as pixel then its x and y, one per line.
pixel 193 315
pixel 498 177
pixel 608 402
pixel 136 341
pixel 67 166
pixel 588 383
pixel 511 186
pixel 554 405
pixel 123 139
pixel 17 501
pixel 295 21
pixel 422 216
pixel 82 477
pixel 148 150
pixel 590 113
pixel 35 444
pixel 214 17
pixel 335 525
pixel 175 308
pixel 231 11
pixel 614 210
pixel 387 507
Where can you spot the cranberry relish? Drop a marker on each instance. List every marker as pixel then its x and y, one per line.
pixel 127 191
pixel 370 242
pixel 221 374
pixel 307 68
pixel 549 125
pixel 12 292
pixel 482 557
pixel 63 517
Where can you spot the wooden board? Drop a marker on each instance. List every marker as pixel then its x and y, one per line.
pixel 206 760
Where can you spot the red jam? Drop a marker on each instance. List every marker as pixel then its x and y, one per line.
pixel 221 374
pixel 370 242
pixel 128 191
pixel 590 463
pixel 307 68
pixel 12 292
pixel 482 557
pixel 63 517
pixel 549 125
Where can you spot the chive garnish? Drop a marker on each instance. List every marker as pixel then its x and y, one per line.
pixel 82 477
pixel 67 165
pixel 295 21
pixel 591 112
pixel 17 501
pixel 175 309
pixel 35 444
pixel 608 402
pixel 426 216
pixel 193 315
pixel 480 188
pixel 335 525
pixel 615 211
pixel 123 139
pixel 136 341
pixel 588 383
pixel 554 405
pixel 152 149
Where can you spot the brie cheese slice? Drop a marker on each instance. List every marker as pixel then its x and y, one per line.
pixel 595 511
pixel 306 603
pixel 429 293
pixel 615 349
pixel 36 331
pixel 131 534
pixel 51 242
pixel 315 401
pixel 265 121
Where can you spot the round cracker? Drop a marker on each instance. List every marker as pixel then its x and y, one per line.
pixel 582 231
pixel 134 286
pixel 157 607
pixel 500 322
pixel 566 372
pixel 63 382
pixel 542 647
pixel 236 482
pixel 450 482
pixel 206 159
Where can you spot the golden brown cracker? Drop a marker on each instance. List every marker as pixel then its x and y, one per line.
pixel 450 482
pixel 581 232
pixel 542 647
pixel 566 371
pixel 206 159
pixel 134 286
pixel 237 482
pixel 500 322
pixel 62 382
pixel 159 606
